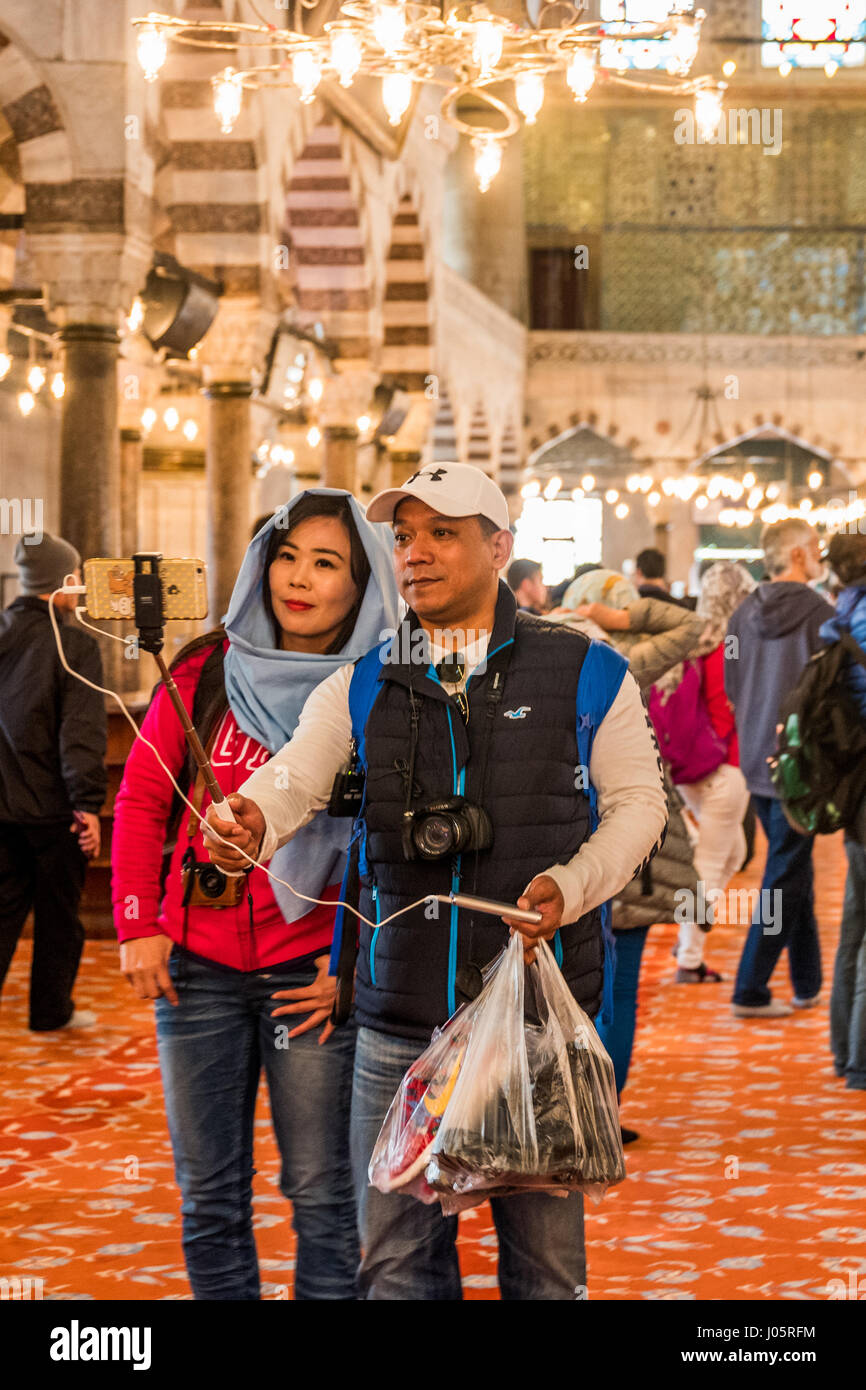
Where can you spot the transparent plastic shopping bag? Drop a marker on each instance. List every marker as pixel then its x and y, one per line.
pixel 533 1107
pixel 514 1094
pixel 405 1140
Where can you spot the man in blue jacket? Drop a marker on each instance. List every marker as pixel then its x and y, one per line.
pixel 769 640
pixel 546 732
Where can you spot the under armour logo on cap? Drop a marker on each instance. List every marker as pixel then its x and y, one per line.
pixel 435 475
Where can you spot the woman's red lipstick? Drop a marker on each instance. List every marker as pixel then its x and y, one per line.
pixel 297 606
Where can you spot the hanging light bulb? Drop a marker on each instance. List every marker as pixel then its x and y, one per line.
pixel 708 110
pixel 702 502
pixel 577 494
pixel 530 489
pixel 729 68
pixel 580 73
pixel 396 95
pixel 314 436
pixel 488 159
pixel 152 50
pixel 552 488
pixel 36 378
pixel 5 364
pixel 228 95
pixel 389 27
pixel 587 482
pixel 831 68
pixel 773 491
pixel 653 498
pixel 171 419
pixel 26 402
pixel 645 482
pixel 58 385
pixel 669 486
pixel 190 430
pixel 632 482
pixel 749 479
pixel 362 424
pixel 135 317
pixel 754 498
pixel 621 512
pixel 815 479
pixel 306 73
pixel 346 54
pixel 148 419
pixel 487 45
pixel 315 388
pixel 683 46
pixel 529 95
pixel 611 496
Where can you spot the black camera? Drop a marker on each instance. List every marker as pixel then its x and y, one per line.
pixel 453 826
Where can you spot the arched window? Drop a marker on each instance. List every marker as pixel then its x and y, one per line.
pixel 811 33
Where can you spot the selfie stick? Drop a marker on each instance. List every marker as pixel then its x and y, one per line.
pixel 147 594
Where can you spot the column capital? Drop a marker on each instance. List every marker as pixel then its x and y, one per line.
pixel 88 333
pixel 89 277
pixel 226 390
pixel 131 436
pixel 346 397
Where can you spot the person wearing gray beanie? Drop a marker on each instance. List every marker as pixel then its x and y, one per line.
pixel 43 563
pixel 52 777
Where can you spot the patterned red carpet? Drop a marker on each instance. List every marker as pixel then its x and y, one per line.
pixel 748 1182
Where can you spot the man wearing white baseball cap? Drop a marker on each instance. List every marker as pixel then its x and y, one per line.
pixel 538 739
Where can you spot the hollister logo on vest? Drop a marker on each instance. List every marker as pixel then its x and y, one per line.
pixel 518 713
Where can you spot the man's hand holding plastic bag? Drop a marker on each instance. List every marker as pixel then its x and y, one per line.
pixel 516 1093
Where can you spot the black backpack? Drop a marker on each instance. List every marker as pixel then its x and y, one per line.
pixel 819 769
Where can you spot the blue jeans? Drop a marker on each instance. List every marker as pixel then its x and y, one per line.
pixel 212 1048
pixel 409 1248
pixel 618 1034
pixel 848 998
pixel 787 873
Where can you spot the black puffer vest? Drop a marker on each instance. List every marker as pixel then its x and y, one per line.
pixel 410 972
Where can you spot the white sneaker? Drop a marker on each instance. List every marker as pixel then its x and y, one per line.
pixel 810 1003
pixel 81 1018
pixel 775 1009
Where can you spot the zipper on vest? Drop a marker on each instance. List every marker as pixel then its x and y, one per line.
pixel 375 934
pixel 457 784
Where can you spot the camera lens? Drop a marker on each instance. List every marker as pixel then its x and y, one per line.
pixel 211 881
pixel 436 836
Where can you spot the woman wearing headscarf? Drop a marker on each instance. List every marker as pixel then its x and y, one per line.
pixel 653 636
pixel 718 799
pixel 239 966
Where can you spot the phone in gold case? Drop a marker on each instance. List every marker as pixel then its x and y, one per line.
pixel 110 593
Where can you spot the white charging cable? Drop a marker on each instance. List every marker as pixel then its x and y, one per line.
pixel 319 902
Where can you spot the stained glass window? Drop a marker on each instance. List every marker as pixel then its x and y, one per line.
pixel 634 53
pixel 811 33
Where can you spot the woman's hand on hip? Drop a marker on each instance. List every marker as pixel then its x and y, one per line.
pixel 318 996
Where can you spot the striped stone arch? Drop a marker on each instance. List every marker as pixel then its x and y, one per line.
pixel 510 465
pixel 36 168
pixel 328 247
pixel 478 449
pixel 407 351
pixel 444 446
pixel 212 188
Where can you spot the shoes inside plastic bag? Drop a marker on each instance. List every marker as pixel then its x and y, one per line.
pixel 515 1093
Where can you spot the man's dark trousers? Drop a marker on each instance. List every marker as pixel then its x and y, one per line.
pixel 42 867
pixel 788 872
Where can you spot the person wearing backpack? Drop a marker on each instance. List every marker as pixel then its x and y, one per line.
pixel 315 589
pixel 770 638
pixel 847 558
pixel 697 735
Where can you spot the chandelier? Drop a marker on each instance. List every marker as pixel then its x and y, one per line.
pixel 468 49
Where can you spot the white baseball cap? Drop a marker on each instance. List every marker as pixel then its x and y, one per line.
pixel 451 489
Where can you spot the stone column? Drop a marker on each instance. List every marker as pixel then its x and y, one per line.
pixel 404 462
pixel 131 453
pixel 340 466
pixel 89 443
pixel 228 470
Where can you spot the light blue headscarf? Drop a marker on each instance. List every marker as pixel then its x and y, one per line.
pixel 267 687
